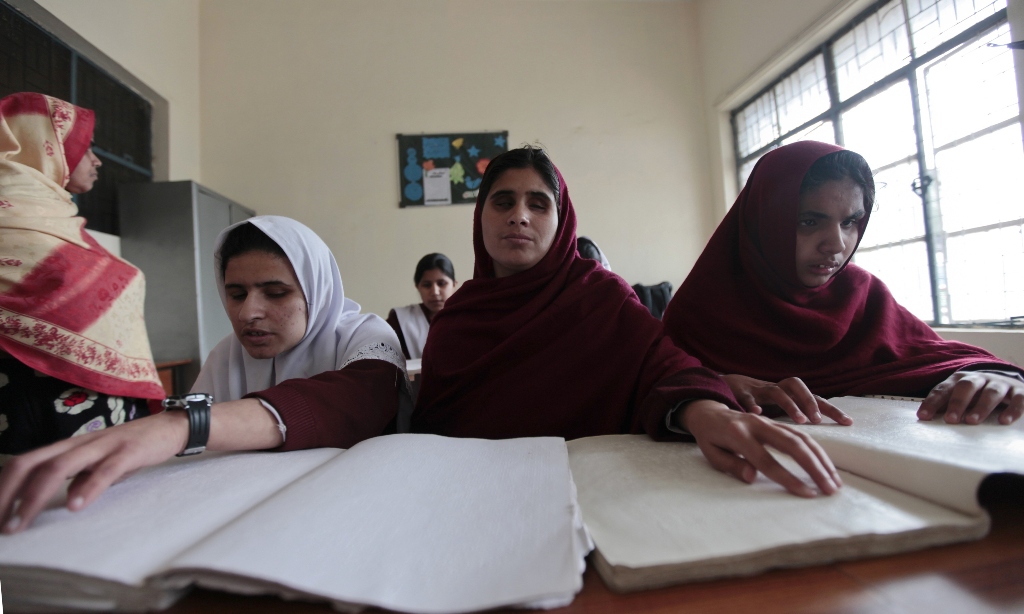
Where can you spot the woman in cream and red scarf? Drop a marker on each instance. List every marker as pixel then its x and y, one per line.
pixel 74 355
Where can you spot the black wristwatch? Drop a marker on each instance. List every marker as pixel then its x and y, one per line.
pixel 197 404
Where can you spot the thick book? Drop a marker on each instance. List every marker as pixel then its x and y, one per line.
pixel 412 523
pixel 660 515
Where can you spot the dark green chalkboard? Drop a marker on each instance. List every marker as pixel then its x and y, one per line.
pixel 426 162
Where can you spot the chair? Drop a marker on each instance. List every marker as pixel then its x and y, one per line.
pixel 654 298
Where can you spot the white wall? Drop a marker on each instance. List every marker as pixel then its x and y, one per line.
pixel 158 42
pixel 1006 344
pixel 301 102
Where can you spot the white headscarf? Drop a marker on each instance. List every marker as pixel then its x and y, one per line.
pixel 336 333
pixel 603 260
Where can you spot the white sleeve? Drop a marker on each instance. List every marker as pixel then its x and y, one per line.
pixel 671 414
pixel 277 416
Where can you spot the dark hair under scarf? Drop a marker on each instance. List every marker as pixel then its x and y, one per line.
pixel 527 156
pixel 431 262
pixel 743 310
pixel 243 239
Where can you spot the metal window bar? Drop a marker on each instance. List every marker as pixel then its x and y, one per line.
pixel 833 92
pixel 977 135
pixel 838 107
pixel 934 238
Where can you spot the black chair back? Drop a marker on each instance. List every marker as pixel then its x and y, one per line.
pixel 655 298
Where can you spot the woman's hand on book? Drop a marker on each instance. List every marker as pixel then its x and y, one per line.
pixel 737 443
pixel 791 395
pixel 969 397
pixel 93 461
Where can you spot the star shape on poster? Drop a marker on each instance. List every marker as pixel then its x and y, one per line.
pixel 473 151
pixel 499 141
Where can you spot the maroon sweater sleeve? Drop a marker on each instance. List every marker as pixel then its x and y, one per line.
pixel 685 380
pixel 337 409
pixel 671 377
pixel 689 385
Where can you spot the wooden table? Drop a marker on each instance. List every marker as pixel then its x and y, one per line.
pixel 972 578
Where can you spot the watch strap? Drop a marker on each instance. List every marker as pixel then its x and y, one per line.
pixel 197 407
pixel 198 427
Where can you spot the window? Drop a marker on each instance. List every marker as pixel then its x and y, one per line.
pixel 926 91
pixel 31 60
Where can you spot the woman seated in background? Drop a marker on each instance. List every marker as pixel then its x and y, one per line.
pixel 542 342
pixel 74 354
pixel 435 280
pixel 303 369
pixel 775 298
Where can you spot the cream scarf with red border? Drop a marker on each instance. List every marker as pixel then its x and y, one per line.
pixel 68 308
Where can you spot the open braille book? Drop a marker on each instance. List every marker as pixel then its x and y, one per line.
pixel 660 515
pixel 413 523
pixel 423 524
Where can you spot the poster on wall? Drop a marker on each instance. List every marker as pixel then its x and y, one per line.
pixel 445 169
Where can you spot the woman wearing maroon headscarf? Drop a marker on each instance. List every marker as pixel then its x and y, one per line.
pixel 544 342
pixel 774 298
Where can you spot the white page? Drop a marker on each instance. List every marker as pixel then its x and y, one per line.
pixel 944 463
pixel 139 525
pixel 414 523
pixel 652 503
pixel 437 186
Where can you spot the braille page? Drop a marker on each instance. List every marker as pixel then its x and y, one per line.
pixel 413 523
pixel 662 506
pixel 944 463
pixel 139 525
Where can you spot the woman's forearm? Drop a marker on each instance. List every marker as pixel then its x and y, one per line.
pixel 241 425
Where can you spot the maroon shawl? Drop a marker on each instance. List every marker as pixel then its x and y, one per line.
pixel 562 349
pixel 743 310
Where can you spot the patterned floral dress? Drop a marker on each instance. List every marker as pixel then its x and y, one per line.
pixel 36 409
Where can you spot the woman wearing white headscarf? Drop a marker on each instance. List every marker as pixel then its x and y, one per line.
pixel 589 249
pixel 303 369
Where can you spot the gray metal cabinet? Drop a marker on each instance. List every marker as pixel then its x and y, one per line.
pixel 168 230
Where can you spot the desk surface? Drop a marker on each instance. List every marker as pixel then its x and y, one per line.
pixel 973 578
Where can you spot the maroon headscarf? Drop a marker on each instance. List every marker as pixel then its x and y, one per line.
pixel 562 349
pixel 743 310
